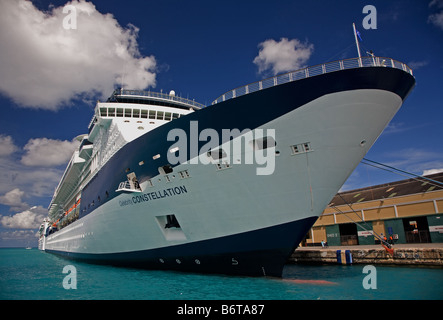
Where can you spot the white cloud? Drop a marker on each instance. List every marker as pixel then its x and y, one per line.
pixel 7 146
pixel 28 219
pixel 436 18
pixel 28 235
pixel 436 3
pixel 395 127
pixel 284 55
pixel 44 65
pixel 48 152
pixel 13 199
pixel 414 160
pixel 431 171
pixel 34 181
pixel 414 65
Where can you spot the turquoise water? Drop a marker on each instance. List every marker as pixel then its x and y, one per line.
pixel 32 274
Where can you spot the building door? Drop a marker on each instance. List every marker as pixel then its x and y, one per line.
pixel 348 234
pixel 416 230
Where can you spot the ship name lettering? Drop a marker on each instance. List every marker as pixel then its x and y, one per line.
pixel 149 196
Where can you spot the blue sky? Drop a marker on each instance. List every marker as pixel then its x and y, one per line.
pixel 51 77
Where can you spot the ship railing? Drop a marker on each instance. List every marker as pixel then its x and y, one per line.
pixel 312 71
pixel 158 95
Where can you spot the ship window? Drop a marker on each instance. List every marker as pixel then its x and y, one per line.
pixel 128 112
pixel 151 114
pixel 160 115
pixel 184 174
pixel 223 165
pixel 136 113
pixel 140 128
pixel 263 143
pixel 217 154
pixel 168 116
pixel 174 150
pixel 301 148
pixel 165 169
pixel 119 112
pixel 156 157
pixel 111 112
pixel 295 149
pixel 144 114
pixel 103 112
pixel 175 116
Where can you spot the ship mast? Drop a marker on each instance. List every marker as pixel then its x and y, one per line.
pixel 356 40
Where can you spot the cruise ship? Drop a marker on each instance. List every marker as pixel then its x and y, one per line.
pixel 163 182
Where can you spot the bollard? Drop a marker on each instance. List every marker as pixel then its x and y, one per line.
pixel 344 257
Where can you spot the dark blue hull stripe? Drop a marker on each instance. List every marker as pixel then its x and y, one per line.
pixel 245 112
pixel 254 253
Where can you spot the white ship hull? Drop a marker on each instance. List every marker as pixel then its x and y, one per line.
pixel 235 204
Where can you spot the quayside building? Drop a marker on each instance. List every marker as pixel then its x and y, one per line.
pixel 408 211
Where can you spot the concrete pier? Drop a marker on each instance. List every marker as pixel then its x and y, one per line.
pixel 425 254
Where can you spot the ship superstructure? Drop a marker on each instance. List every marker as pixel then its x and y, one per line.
pixel 126 115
